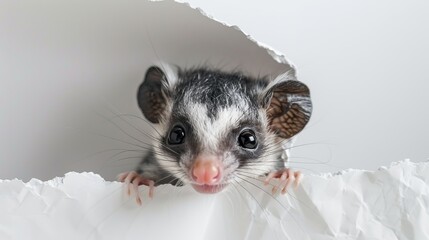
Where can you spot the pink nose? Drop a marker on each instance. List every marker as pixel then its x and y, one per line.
pixel 206 172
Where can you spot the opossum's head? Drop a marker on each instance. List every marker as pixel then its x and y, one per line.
pixel 215 126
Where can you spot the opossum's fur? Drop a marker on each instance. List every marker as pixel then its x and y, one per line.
pixel 213 107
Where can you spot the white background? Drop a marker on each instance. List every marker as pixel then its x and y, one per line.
pixel 365 62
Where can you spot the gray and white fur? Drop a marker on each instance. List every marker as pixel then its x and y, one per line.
pixel 214 108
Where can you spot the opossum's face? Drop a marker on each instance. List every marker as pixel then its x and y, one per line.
pixel 219 127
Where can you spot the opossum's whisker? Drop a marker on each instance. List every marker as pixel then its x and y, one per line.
pixel 117 139
pixel 315 161
pixel 120 128
pixel 179 172
pixel 111 150
pixel 300 168
pixel 126 151
pixel 135 157
pixel 149 146
pixel 269 194
pixel 307 144
pixel 144 133
pixel 288 193
pixel 259 204
pixel 228 192
pixel 120 115
pixel 290 214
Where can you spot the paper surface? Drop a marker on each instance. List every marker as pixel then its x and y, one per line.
pixel 390 203
pixel 83 48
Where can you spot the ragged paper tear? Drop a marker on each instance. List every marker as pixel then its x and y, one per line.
pixel 390 203
pixel 77 49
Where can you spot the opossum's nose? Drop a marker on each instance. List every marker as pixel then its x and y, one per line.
pixel 206 170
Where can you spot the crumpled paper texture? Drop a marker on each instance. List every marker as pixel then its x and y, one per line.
pixel 390 203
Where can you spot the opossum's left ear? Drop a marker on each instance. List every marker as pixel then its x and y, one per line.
pixel 288 106
pixel 152 94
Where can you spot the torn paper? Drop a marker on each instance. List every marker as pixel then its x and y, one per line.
pixel 390 203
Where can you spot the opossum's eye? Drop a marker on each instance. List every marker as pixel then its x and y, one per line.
pixel 176 136
pixel 247 139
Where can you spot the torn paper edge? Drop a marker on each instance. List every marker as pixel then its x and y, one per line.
pixel 276 55
pixel 351 204
pixel 58 181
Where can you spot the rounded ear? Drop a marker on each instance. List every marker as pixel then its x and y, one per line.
pixel 289 107
pixel 151 98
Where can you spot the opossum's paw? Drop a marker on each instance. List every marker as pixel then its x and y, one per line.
pixel 132 181
pixel 286 177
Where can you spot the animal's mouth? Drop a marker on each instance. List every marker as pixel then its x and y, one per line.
pixel 208 188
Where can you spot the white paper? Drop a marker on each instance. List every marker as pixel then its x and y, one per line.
pixel 390 203
pixel 99 47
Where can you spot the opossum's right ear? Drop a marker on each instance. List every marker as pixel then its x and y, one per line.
pixel 152 94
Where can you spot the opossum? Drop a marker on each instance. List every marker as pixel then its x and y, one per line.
pixel 213 125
